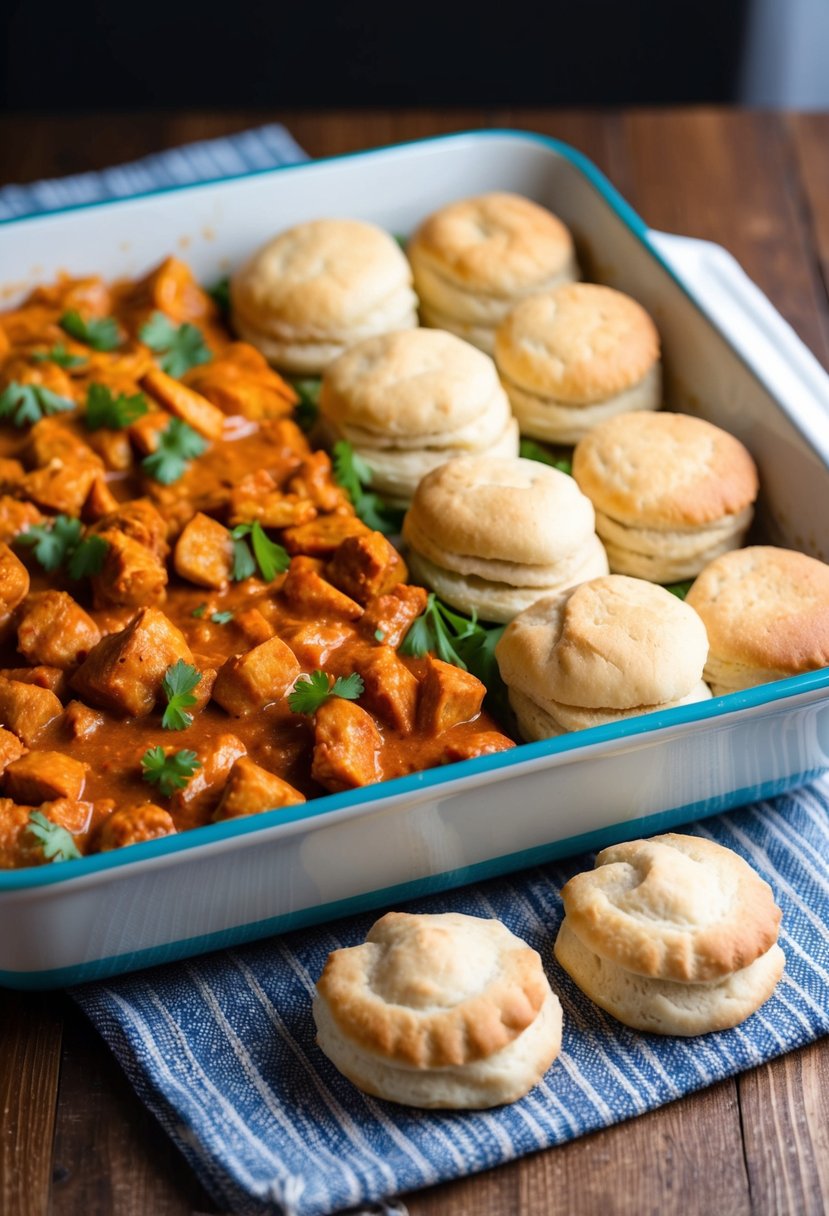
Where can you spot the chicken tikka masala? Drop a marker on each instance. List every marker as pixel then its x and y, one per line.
pixel 194 622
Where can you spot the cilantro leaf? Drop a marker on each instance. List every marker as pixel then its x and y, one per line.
pixel 105 409
pixel 88 557
pixel 312 691
pixel 59 355
pixel 220 294
pixel 199 611
pixel 178 444
pixel 57 844
pixel 180 346
pixel 52 543
pixel 270 557
pixel 680 590
pixel 459 640
pixel 101 333
pixel 221 618
pixel 177 686
pixel 25 404
pixel 352 473
pixel 530 450
pixel 401 240
pixel 307 409
pixel 169 773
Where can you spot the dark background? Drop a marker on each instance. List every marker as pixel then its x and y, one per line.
pixel 106 54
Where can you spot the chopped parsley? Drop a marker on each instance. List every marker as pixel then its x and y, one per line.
pixel 530 450
pixel 25 404
pixel 116 412
pixel 178 444
pixel 352 473
pixel 221 618
pixel 57 844
pixel 101 333
pixel 270 557
pixel 200 611
pixel 169 773
pixel 59 355
pixel 680 590
pixel 307 409
pixel 59 543
pixel 220 295
pixel 177 686
pixel 312 691
pixel 180 346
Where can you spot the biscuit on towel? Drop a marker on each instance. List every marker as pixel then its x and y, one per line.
pixel 477 257
pixel 409 401
pixel 571 358
pixel 318 288
pixel 671 492
pixel 493 535
pixel 607 649
pixel 438 1011
pixel 767 615
pixel 675 934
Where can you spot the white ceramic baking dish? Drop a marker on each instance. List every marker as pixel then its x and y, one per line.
pixel 729 358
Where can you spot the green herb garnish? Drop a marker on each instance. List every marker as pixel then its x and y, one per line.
pixel 312 691
pixel 101 333
pixel 458 640
pixel 25 404
pixel 307 409
pixel 178 444
pixel 270 557
pixel 169 773
pixel 680 590
pixel 221 618
pixel 177 686
pixel 200 611
pixel 379 635
pixel 180 346
pixel 220 294
pixel 57 843
pixel 352 473
pixel 530 450
pixel 59 355
pixel 59 543
pixel 105 409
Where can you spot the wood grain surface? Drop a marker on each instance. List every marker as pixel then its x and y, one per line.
pixel 74 1140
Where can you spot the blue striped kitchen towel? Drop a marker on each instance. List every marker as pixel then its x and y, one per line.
pixel 222 1049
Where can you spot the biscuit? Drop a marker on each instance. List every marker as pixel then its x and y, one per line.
pixel 438 1011
pixel 318 288
pixel 671 492
pixel 666 1006
pixel 766 611
pixel 573 357
pixel 409 401
pixel 674 907
pixel 613 646
pixel 475 258
pixel 494 534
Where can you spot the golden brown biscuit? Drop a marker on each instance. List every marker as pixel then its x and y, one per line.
pixel 572 357
pixel 671 492
pixel 438 1011
pixel 318 288
pixel 766 611
pixel 475 258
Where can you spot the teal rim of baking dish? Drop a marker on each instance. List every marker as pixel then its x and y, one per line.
pixel 530 755
pixel 526 754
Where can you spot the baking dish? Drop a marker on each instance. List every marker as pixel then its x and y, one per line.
pixel 729 358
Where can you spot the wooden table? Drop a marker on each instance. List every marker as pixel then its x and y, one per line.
pixel 74 1140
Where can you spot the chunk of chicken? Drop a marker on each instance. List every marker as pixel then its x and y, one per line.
pixel 305 588
pixel 255 628
pixel 54 630
pixel 53 678
pixel 251 789
pixel 16 849
pixel 194 803
pixel 391 690
pixel 131 575
pixel 313 642
pixel 62 485
pixel 481 743
pixel 69 813
pixel 17 517
pixel 41 776
pixel 239 381
pixel 54 439
pixel 204 553
pixel 388 618
pixel 134 825
pixel 100 500
pixel 184 403
pixel 320 537
pixel 257 497
pixel 79 721
pixel 11 748
pixel 123 673
pixel 366 566
pixel 139 520
pixel 314 480
pixel 346 746
pixel 26 709
pixel 248 682
pixel 14 586
pixel 448 696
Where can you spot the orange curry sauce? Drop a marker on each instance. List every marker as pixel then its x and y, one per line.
pixel 83 660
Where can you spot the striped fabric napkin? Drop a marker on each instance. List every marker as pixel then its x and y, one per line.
pixel 222 1049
